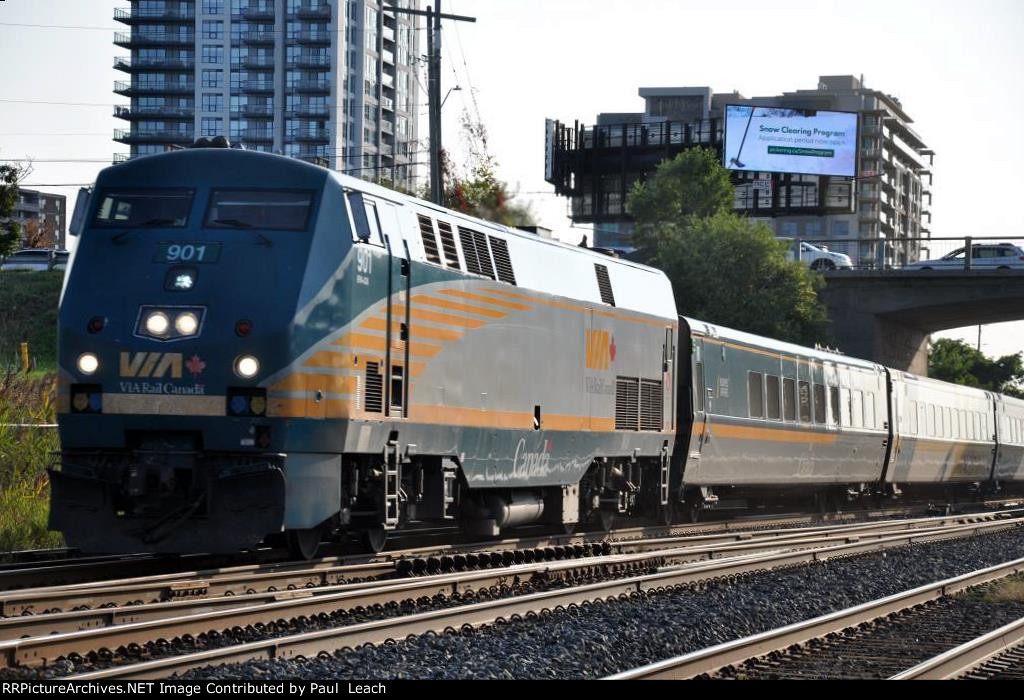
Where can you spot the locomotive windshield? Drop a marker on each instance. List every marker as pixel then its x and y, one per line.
pixel 135 208
pixel 286 210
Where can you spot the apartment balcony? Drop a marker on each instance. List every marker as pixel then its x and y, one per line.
pixel 312 38
pixel 316 111
pixel 258 135
pixel 310 136
pixel 129 136
pixel 120 158
pixel 312 86
pixel 138 40
pixel 387 103
pixel 259 12
pixel 145 15
pixel 313 10
pixel 258 86
pixel 138 89
pixel 129 113
pixel 313 62
pixel 257 37
pixel 258 110
pixel 258 61
pixel 129 65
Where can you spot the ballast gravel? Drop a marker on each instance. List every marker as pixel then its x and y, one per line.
pixel 596 640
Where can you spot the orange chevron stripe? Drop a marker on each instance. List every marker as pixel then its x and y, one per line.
pixel 448 319
pixel 487 300
pixel 331 383
pixel 331 358
pixel 455 306
pixel 417 331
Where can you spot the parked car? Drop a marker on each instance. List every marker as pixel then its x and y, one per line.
pixel 818 257
pixel 984 256
pixel 35 260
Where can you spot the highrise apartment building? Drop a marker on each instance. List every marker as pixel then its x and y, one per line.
pixel 329 81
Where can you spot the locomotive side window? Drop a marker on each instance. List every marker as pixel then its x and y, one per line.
pixel 755 394
pixel 364 219
pixel 139 208
pixel 834 399
pixel 260 209
pixel 789 399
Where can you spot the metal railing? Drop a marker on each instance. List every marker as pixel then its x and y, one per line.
pixel 941 253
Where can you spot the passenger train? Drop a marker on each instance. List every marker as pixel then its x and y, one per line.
pixel 256 349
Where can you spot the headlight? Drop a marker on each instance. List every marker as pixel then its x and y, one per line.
pixel 186 323
pixel 247 366
pixel 88 363
pixel 157 323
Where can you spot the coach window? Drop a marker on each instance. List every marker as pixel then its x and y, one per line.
pixel 699 386
pixel 805 402
pixel 789 399
pixel 755 394
pixel 773 395
pixel 819 403
pixel 857 409
pixel 869 410
pixel 833 395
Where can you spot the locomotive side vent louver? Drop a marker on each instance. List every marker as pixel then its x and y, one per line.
pixel 502 261
pixel 652 402
pixel 604 284
pixel 627 400
pixel 374 398
pixel 451 255
pixel 469 251
pixel 483 254
pixel 429 240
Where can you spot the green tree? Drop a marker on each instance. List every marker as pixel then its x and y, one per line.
pixel 724 268
pixel 10 230
pixel 956 361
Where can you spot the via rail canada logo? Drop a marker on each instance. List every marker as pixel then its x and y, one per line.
pixel 600 349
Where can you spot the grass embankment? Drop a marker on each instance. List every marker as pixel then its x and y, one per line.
pixel 24 455
pixel 28 313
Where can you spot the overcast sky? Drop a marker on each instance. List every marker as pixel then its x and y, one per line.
pixel 955 66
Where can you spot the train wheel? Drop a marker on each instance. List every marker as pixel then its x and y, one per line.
pixel 302 544
pixel 375 539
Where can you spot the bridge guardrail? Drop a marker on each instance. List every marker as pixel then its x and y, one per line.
pixel 908 253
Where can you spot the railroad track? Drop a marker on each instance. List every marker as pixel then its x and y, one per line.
pixel 37 568
pixel 325 573
pixel 428 604
pixel 866 640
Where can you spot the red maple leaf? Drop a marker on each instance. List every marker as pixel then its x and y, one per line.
pixel 611 349
pixel 195 365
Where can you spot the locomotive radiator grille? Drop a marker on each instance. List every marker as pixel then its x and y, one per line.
pixel 651 404
pixel 451 253
pixel 627 403
pixel 374 398
pixel 502 261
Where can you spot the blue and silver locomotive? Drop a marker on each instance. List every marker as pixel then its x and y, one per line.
pixel 253 348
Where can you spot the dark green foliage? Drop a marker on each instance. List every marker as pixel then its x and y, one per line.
pixel 956 361
pixel 10 231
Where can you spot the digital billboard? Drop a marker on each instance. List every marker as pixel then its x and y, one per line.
pixel 783 140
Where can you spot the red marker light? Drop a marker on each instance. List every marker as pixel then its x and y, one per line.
pixel 96 324
pixel 243 328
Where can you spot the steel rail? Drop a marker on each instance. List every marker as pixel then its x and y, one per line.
pixel 42 650
pixel 244 580
pixel 964 658
pixel 714 658
pixel 77 620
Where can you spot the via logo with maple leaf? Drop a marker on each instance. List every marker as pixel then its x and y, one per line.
pixel 195 365
pixel 601 349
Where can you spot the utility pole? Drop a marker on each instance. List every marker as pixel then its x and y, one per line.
pixel 434 17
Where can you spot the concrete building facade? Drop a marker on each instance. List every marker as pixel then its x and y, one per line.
pixel 328 81
pixel 43 219
pixel 889 200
